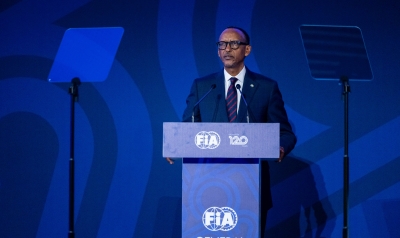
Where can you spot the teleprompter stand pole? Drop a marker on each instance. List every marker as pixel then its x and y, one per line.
pixel 350 59
pixel 346 90
pixel 73 91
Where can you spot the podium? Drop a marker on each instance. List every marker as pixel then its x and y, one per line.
pixel 221 175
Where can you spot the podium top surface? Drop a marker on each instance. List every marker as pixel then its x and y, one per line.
pixel 220 140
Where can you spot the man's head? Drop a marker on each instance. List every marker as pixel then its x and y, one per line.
pixel 237 43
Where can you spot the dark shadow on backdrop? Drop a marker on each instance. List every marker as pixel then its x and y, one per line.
pixel 301 194
pixel 168 221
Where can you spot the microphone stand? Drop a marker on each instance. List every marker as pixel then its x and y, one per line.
pixel 201 99
pixel 245 102
pixel 346 89
pixel 73 91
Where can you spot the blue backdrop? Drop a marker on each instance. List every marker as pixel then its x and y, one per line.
pixel 124 188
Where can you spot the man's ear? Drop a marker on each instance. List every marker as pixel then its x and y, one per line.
pixel 248 50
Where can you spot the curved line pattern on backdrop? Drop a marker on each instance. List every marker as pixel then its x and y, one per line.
pixel 45 100
pixel 55 102
pixel 176 42
pixel 135 143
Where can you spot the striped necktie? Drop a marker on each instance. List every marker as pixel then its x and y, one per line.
pixel 231 100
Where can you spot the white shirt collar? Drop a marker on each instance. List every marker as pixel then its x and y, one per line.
pixel 240 76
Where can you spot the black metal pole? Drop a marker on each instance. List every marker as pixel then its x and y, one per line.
pixel 346 90
pixel 73 90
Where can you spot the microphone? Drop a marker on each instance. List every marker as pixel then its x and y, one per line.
pixel 244 100
pixel 201 99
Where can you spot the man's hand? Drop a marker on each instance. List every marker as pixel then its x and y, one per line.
pixel 170 161
pixel 281 154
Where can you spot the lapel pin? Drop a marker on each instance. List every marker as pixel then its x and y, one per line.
pixel 252 85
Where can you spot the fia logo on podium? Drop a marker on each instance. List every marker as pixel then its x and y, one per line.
pixel 207 140
pixel 220 219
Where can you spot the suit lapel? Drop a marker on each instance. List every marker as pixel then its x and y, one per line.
pixel 249 88
pixel 220 114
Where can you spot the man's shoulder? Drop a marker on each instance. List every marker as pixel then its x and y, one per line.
pixel 259 77
pixel 209 78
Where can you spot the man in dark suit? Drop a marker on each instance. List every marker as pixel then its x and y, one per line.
pixel 262 94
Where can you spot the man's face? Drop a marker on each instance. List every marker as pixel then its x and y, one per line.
pixel 233 59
